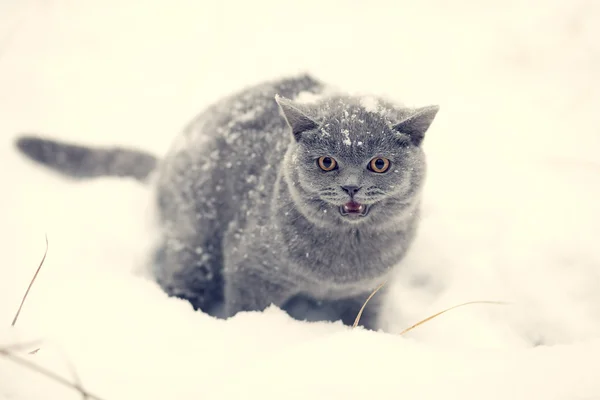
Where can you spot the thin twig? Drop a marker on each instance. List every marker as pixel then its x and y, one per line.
pixel 70 366
pixel 30 284
pixel 76 378
pixel 19 346
pixel 49 374
pixel 448 309
pixel 357 320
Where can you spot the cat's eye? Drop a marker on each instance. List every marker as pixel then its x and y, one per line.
pixel 327 163
pixel 379 165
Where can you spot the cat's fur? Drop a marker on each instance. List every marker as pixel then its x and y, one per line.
pixel 248 218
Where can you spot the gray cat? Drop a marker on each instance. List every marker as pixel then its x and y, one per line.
pixel 304 204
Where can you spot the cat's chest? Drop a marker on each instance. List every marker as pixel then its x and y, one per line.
pixel 352 254
pixel 343 257
pixel 315 257
pixel 339 267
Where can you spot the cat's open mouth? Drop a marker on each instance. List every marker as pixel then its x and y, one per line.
pixel 354 209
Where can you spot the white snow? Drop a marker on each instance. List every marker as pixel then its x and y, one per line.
pixel 308 97
pixel 510 209
pixel 346 137
pixel 369 103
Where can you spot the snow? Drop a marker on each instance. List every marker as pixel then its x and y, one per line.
pixel 510 210
pixel 369 103
pixel 346 137
pixel 308 97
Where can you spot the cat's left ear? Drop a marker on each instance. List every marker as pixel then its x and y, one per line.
pixel 296 119
pixel 417 123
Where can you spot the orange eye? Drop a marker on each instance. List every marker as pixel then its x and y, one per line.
pixel 327 163
pixel 379 165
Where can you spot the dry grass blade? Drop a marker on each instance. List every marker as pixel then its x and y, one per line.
pixel 84 394
pixel 357 320
pixel 30 284
pixel 20 346
pixel 448 309
pixel 49 374
pixel 75 375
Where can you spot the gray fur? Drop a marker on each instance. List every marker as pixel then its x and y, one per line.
pixel 81 162
pixel 248 219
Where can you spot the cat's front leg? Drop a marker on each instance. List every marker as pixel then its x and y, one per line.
pixel 247 289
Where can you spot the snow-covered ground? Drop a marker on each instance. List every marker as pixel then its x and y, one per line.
pixel 511 207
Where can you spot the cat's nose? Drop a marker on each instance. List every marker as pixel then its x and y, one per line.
pixel 351 190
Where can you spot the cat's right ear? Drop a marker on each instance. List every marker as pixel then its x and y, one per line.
pixel 296 119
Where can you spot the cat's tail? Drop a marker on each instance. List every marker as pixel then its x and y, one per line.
pixel 81 162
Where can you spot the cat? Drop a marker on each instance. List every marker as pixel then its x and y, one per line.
pixel 286 193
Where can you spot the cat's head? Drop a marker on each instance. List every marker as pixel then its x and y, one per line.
pixel 355 160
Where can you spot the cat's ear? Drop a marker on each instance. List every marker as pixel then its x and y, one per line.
pixel 417 123
pixel 296 119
